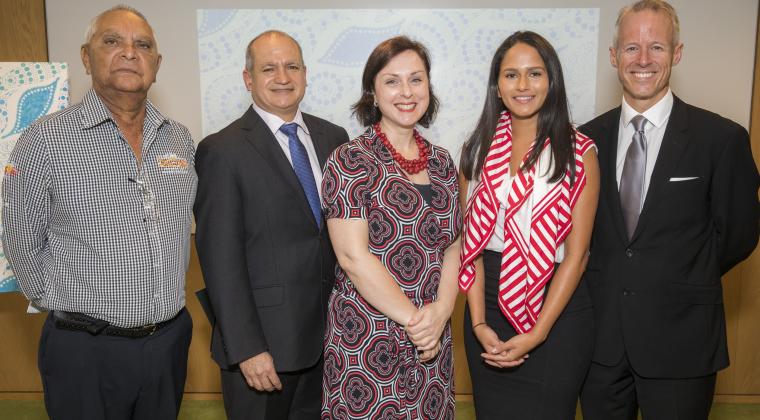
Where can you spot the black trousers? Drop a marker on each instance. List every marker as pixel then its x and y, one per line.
pixel 617 393
pixel 300 397
pixel 546 385
pixel 99 377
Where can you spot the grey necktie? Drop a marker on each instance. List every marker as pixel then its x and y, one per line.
pixel 632 179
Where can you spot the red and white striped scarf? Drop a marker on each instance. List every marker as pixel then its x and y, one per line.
pixel 526 267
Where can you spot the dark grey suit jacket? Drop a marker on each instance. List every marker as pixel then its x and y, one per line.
pixel 268 268
pixel 658 296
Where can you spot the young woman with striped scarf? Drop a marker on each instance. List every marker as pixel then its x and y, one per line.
pixel 532 185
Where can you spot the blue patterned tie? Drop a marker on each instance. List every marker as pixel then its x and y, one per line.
pixel 302 168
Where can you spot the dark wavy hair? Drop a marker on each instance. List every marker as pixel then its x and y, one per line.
pixel 365 110
pixel 553 117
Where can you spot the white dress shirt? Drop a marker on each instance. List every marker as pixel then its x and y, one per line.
pixel 657 120
pixel 274 123
pixel 524 215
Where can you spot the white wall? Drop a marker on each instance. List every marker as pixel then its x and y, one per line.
pixel 715 72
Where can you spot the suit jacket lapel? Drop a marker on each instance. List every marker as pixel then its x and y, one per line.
pixel 672 148
pixel 321 146
pixel 318 139
pixel 608 167
pixel 262 139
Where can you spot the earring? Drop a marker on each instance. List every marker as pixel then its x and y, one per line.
pixel 375 103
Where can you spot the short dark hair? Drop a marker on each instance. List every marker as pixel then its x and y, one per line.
pixel 553 117
pixel 364 109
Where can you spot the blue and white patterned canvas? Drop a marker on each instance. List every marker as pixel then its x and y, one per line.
pixel 27 92
pixel 336 44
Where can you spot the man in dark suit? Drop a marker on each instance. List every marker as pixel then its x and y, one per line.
pixel 677 209
pixel 262 242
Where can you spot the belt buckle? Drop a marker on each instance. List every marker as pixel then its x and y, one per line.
pixel 151 328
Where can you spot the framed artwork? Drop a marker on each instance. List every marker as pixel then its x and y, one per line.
pixel 28 91
pixel 337 42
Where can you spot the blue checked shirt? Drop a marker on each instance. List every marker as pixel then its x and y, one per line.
pixel 87 228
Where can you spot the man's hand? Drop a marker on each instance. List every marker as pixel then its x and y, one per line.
pixel 259 373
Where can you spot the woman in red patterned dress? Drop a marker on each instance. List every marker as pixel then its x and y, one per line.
pixel 533 184
pixel 391 203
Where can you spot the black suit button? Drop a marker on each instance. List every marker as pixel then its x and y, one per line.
pixel 629 253
pixel 626 292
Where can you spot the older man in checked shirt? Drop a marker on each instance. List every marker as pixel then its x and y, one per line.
pixel 97 215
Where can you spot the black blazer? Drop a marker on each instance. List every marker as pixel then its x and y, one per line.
pixel 268 269
pixel 658 297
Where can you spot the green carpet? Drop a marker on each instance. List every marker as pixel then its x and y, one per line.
pixel 214 410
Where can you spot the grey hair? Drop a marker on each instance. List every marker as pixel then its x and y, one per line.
pixel 249 55
pixel 655 6
pixel 92 27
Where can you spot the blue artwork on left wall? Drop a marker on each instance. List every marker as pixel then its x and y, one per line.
pixel 28 91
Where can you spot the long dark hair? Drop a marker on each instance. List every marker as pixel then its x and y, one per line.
pixel 553 117
pixel 365 109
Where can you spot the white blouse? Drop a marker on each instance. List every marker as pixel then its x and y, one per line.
pixel 523 216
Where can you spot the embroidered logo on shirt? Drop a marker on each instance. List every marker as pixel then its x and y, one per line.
pixel 170 163
pixel 10 170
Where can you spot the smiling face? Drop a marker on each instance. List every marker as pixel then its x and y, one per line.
pixel 277 79
pixel 122 55
pixel 523 81
pixel 643 57
pixel 402 91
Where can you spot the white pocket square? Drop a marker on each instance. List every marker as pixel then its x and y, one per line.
pixel 684 178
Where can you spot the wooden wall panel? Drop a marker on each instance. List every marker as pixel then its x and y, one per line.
pixel 747 347
pixel 725 384
pixel 202 372
pixel 21 333
pixel 741 381
pixel 22 31
pixel 754 124
pixel 23 38
pixel 462 382
pixel 747 353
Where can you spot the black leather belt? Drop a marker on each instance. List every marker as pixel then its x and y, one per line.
pixel 80 322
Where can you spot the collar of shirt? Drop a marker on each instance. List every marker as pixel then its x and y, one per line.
pixel 95 112
pixel 274 122
pixel 657 114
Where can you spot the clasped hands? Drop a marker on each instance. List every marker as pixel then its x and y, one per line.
pixel 505 354
pixel 425 327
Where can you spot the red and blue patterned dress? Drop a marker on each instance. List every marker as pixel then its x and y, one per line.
pixel 371 368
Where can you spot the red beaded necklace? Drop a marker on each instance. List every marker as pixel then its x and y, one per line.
pixel 411 166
